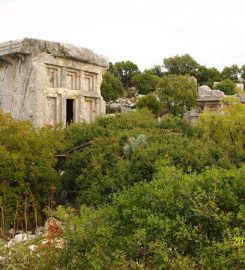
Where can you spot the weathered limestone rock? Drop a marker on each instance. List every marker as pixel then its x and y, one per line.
pixel 204 91
pixel 50 82
pixel 23 237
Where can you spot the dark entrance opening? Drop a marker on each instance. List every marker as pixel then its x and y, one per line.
pixel 69 111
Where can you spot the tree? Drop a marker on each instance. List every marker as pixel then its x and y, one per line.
pixel 225 128
pixel 177 93
pixel 231 73
pixel 176 221
pixel 184 64
pixel 124 71
pixel 27 161
pixel 227 86
pixel 149 101
pixel 243 73
pixel 145 83
pixel 111 87
pixel 112 69
pixel 207 76
pixel 156 70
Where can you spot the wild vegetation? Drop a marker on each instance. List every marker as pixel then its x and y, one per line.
pixel 133 193
pixel 148 81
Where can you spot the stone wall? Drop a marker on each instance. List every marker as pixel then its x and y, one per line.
pixel 39 80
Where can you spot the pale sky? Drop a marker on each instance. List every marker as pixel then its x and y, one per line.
pixel 143 31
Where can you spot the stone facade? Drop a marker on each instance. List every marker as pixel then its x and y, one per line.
pixel 50 83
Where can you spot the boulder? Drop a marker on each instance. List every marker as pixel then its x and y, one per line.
pixel 20 237
pixel 218 93
pixel 204 91
pixel 115 105
pixel 24 237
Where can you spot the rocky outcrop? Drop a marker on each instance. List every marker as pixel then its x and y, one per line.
pixel 204 91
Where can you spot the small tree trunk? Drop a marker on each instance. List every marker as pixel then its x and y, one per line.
pixel 25 214
pixel 16 215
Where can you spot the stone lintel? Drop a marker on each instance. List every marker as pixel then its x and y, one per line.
pixel 29 46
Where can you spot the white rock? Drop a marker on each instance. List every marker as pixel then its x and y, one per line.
pixel 20 237
pixel 24 237
pixel 218 93
pixel 205 90
pixel 59 243
pixel 32 237
pixel 10 243
pixel 32 247
pixel 115 105
pixel 39 233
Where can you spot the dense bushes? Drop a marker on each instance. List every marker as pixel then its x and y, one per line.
pixel 151 102
pixel 226 131
pixel 27 161
pixel 111 87
pixel 145 83
pixel 227 86
pixel 176 221
pixel 102 168
pixel 152 194
pixel 177 93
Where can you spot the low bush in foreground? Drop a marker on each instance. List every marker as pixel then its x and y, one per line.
pixel 176 221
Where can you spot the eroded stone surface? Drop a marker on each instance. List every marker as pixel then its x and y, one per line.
pixel 205 91
pixel 36 46
pixel 49 82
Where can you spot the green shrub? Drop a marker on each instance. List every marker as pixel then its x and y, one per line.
pixel 145 83
pixel 101 168
pixel 176 221
pixel 111 87
pixel 130 92
pixel 27 161
pixel 111 110
pixel 179 125
pixel 150 102
pixel 177 93
pixel 227 86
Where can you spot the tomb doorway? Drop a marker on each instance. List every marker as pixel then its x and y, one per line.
pixel 69 111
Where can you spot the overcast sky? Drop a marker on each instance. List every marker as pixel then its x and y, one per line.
pixel 143 31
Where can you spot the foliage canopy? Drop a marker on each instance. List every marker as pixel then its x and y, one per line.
pixel 177 93
pixel 111 87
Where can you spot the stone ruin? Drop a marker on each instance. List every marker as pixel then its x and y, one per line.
pixel 208 99
pixel 50 82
